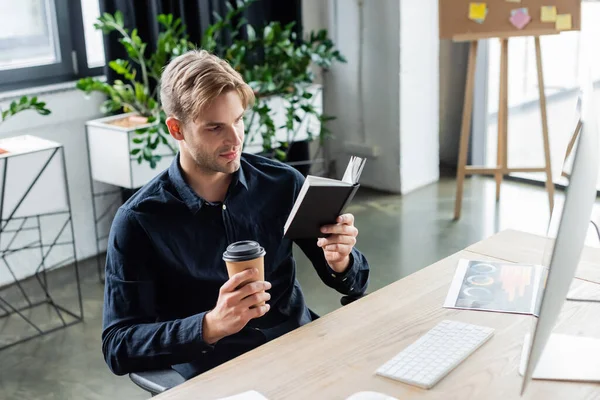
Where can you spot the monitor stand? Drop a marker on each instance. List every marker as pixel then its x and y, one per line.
pixel 565 358
pixel 582 299
pixel 585 291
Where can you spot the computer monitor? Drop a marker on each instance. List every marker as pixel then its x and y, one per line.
pixel 547 355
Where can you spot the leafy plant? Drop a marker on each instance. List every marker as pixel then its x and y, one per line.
pixel 272 59
pixel 137 91
pixel 25 103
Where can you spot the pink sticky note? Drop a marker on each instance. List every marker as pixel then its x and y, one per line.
pixel 520 19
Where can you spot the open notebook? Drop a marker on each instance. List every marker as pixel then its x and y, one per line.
pixel 321 201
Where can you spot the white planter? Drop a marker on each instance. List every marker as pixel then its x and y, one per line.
pixel 25 157
pixel 110 148
pixel 278 113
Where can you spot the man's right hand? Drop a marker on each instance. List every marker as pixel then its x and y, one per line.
pixel 236 306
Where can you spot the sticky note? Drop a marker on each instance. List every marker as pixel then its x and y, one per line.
pixel 548 14
pixel 477 11
pixel 482 20
pixel 563 22
pixel 520 19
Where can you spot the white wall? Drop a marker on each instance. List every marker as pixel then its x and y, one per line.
pixel 419 94
pixel 70 109
pixel 379 106
pixel 392 118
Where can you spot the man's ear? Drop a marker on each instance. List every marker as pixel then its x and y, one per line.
pixel 175 126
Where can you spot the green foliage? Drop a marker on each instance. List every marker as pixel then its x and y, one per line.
pixel 137 91
pixel 272 59
pixel 23 104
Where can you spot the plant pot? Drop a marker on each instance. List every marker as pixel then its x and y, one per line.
pixel 110 141
pixel 298 157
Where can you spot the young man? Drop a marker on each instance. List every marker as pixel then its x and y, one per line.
pixel 169 301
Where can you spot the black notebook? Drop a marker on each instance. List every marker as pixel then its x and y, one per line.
pixel 321 201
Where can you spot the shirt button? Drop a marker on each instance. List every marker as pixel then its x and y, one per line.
pixel 333 275
pixel 204 351
pixel 224 207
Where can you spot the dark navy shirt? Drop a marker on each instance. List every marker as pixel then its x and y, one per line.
pixel 164 268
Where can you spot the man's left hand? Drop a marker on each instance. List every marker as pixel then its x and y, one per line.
pixel 339 244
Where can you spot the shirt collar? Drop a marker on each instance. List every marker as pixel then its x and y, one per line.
pixel 188 195
pixel 240 175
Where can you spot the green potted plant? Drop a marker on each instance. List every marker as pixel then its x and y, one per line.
pixel 277 65
pixel 134 128
pixel 275 62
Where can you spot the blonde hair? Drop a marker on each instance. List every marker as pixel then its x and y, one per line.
pixel 191 81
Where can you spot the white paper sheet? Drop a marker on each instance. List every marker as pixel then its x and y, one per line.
pixel 249 395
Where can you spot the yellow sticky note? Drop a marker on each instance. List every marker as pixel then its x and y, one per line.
pixel 548 14
pixel 563 22
pixel 477 10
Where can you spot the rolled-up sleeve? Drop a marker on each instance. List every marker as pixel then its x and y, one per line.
pixel 132 338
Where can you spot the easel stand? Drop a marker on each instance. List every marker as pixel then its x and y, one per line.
pixel 501 168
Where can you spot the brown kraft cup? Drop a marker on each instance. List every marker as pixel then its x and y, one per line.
pixel 243 255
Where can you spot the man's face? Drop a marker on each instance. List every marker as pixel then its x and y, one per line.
pixel 214 141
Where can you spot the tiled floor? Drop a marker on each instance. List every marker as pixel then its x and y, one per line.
pixel 398 234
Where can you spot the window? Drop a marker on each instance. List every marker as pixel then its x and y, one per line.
pixel 29 34
pixel 94 44
pixel 48 41
pixel 562 62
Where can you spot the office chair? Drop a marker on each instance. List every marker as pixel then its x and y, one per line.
pixel 158 381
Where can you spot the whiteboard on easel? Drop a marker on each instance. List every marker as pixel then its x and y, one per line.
pixel 464 20
pixel 26 157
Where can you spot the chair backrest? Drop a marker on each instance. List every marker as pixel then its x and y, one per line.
pixel 156 382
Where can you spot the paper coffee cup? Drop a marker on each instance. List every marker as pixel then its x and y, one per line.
pixel 240 256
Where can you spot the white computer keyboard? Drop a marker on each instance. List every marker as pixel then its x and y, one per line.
pixel 436 353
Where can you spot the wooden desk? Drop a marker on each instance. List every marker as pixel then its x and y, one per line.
pixel 517 246
pixel 337 355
